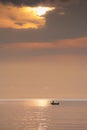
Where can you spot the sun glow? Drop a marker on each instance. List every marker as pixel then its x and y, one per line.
pixel 39 11
pixel 23 17
pixel 42 10
pixel 42 102
pixel 38 102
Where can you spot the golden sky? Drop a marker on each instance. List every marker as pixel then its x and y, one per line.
pixel 44 70
pixel 49 76
pixel 24 17
pixel 43 49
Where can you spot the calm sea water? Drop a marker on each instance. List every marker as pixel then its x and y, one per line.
pixel 40 115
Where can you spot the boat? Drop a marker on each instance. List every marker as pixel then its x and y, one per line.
pixel 55 102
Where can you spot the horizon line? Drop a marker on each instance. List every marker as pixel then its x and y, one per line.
pixel 60 99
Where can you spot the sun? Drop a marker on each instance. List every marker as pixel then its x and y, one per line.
pixel 42 10
pixel 39 10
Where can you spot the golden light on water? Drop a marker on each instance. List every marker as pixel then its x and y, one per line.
pixel 38 102
pixel 42 102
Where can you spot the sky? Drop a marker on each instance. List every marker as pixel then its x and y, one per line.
pixel 43 49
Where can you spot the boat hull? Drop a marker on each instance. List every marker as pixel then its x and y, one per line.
pixel 55 103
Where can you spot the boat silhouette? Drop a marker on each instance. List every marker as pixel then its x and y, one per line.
pixel 55 103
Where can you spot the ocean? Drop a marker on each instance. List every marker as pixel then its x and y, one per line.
pixel 39 114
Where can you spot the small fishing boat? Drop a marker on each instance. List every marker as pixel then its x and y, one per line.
pixel 55 102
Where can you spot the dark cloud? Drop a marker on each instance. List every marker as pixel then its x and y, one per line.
pixel 36 2
pixel 44 2
pixel 27 2
pixel 20 23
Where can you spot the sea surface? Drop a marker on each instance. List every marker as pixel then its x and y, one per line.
pixel 41 115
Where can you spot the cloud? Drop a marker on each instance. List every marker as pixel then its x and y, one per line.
pixel 38 2
pixel 77 43
pixel 21 14
pixel 34 2
pixel 20 17
pixel 26 2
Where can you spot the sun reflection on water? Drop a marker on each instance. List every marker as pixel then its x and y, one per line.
pixel 38 102
pixel 41 127
pixel 42 102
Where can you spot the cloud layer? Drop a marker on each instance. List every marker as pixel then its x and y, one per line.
pixel 77 43
pixel 19 17
pixel 45 2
